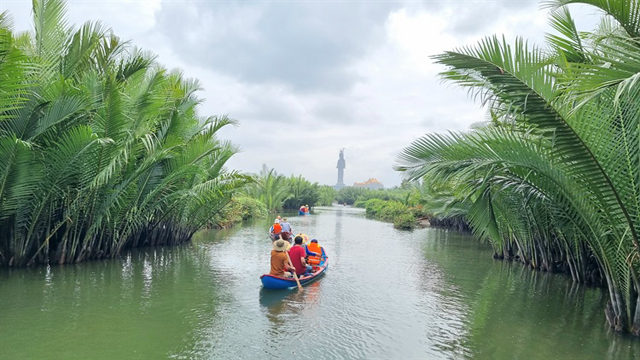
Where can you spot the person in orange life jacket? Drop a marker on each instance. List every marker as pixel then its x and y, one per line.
pixel 315 247
pixel 279 260
pixel 305 238
pixel 276 230
pixel 297 254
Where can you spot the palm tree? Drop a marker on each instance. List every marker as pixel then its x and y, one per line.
pixel 556 178
pixel 270 188
pixel 302 191
pixel 100 147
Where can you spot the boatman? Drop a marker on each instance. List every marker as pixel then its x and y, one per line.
pixel 287 233
pixel 279 261
pixel 297 254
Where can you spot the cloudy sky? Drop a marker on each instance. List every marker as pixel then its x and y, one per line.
pixel 307 78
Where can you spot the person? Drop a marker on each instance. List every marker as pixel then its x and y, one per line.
pixel 318 250
pixel 304 237
pixel 306 209
pixel 276 230
pixel 302 210
pixel 279 261
pixel 305 240
pixel 287 233
pixel 297 254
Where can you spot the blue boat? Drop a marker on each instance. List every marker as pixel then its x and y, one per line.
pixel 276 282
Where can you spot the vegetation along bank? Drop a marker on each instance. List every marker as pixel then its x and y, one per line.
pixel 554 178
pixel 101 148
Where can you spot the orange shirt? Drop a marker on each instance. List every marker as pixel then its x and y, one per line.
pixel 278 263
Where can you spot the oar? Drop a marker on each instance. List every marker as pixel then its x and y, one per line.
pixel 295 276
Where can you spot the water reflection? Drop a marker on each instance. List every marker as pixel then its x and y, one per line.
pixel 388 294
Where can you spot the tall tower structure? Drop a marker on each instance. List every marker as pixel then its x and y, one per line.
pixel 341 166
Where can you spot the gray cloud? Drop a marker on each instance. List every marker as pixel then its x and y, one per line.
pixel 305 45
pixel 476 17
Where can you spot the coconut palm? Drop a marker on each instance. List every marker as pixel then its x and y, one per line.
pixel 555 178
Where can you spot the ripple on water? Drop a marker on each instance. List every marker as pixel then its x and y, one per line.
pixel 388 294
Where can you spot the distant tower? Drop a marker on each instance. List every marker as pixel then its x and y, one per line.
pixel 341 166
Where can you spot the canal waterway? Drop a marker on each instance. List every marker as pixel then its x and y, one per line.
pixel 388 294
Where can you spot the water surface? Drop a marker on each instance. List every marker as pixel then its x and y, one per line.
pixel 426 294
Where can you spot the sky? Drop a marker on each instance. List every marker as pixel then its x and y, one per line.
pixel 305 79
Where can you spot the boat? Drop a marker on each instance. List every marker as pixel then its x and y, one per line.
pixel 276 282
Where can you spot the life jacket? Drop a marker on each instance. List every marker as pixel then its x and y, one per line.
pixel 314 247
pixel 277 229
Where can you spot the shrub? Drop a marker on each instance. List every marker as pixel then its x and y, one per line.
pixel 373 206
pixel 359 203
pixel 239 209
pixel 404 221
pixel 391 210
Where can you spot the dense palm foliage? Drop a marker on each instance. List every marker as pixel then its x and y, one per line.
pixel 278 192
pixel 326 195
pixel 100 147
pixel 555 179
pixel 302 192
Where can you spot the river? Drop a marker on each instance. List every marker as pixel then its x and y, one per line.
pixel 388 294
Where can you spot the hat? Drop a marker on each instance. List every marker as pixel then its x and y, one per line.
pixel 276 221
pixel 280 245
pixel 285 219
pixel 314 240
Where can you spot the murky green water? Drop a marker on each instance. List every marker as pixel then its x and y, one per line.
pixel 387 295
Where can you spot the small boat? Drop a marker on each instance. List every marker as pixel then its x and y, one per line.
pixel 276 282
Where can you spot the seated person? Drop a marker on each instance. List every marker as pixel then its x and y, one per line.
pixel 305 239
pixel 297 254
pixel 315 248
pixel 276 230
pixel 279 261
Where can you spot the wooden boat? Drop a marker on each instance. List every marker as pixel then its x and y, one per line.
pixel 276 282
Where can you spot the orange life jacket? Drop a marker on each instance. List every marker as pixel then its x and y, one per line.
pixel 277 229
pixel 314 247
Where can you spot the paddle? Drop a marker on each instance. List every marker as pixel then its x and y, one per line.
pixel 295 276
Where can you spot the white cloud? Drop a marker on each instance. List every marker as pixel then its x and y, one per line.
pixel 306 79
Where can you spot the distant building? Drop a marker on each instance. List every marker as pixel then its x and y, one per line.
pixel 370 184
pixel 342 164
